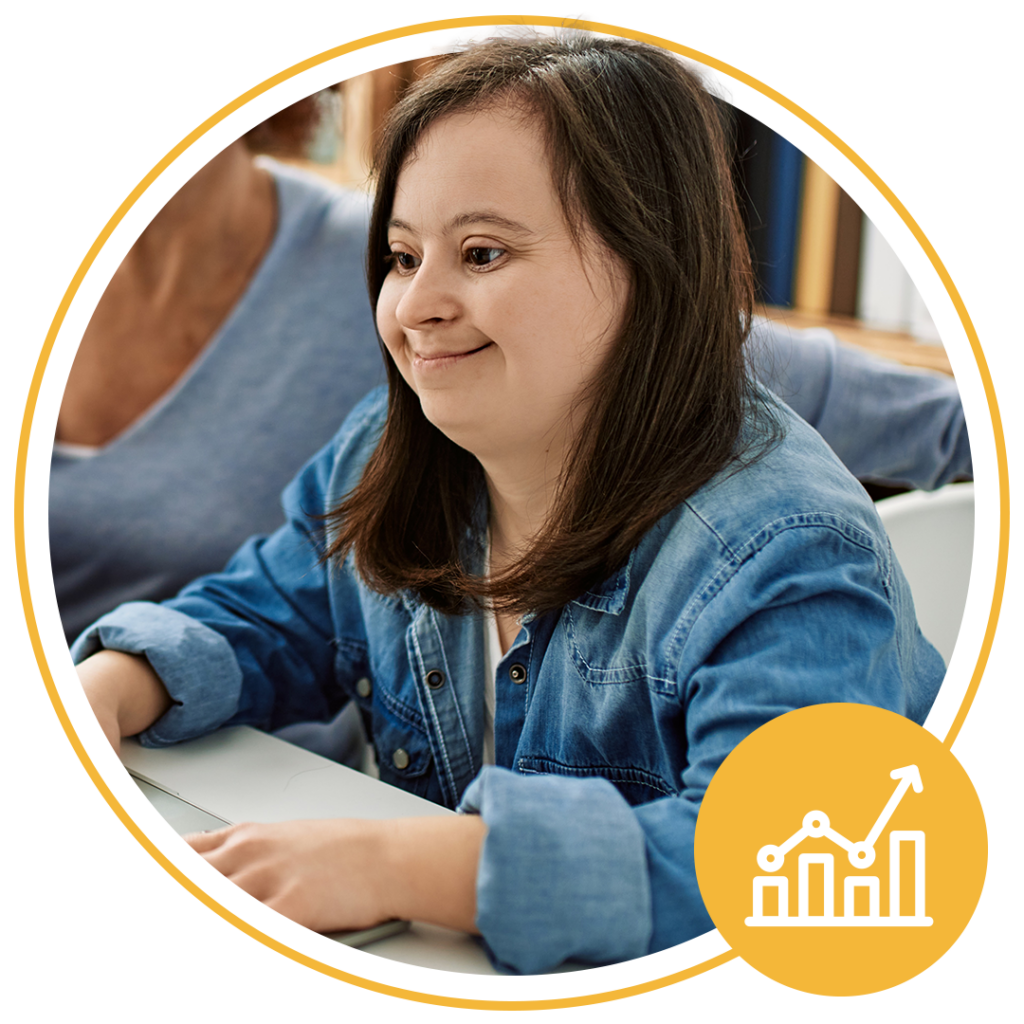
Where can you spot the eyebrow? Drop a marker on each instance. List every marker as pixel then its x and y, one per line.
pixel 473 217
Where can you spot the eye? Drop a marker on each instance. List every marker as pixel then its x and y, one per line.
pixel 481 256
pixel 405 261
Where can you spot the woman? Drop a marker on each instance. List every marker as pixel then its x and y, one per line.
pixel 574 539
pixel 243 301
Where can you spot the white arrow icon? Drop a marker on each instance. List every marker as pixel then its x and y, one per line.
pixel 816 825
pixel 862 855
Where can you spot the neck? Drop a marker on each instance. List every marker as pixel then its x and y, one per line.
pixel 221 219
pixel 522 488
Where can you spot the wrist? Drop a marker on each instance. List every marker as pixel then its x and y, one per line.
pixel 428 869
pixel 123 688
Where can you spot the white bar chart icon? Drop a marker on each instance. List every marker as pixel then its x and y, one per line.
pixel 861 855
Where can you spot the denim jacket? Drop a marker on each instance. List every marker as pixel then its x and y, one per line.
pixel 771 588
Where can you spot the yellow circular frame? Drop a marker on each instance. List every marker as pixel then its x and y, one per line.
pixel 359 44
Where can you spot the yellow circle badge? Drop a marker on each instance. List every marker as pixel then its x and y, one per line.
pixel 840 849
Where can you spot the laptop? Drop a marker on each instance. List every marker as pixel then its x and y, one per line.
pixel 242 774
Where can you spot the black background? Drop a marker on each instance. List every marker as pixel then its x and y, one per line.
pixel 97 112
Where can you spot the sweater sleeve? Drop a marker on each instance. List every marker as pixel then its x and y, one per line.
pixel 888 423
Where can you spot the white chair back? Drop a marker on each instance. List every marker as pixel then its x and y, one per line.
pixel 933 538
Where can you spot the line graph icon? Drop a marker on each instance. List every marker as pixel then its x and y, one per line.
pixel 860 855
pixel 870 887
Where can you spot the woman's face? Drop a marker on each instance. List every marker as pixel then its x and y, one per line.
pixel 493 315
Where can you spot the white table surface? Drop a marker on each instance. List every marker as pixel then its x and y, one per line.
pixel 246 775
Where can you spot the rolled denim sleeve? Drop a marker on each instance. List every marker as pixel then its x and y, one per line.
pixel 257 644
pixel 889 423
pixel 195 664
pixel 252 645
pixel 563 872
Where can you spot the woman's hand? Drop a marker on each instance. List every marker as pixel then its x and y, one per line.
pixel 340 874
pixel 322 874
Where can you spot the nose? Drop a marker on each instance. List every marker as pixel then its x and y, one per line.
pixel 429 298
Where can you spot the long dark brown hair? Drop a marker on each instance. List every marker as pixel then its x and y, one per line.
pixel 637 154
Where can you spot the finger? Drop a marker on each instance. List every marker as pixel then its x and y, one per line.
pixel 203 842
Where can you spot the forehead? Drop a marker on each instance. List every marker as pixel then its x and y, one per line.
pixel 494 157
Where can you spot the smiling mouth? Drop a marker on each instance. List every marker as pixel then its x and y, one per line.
pixel 445 359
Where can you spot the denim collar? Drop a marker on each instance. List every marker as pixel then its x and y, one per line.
pixel 610 596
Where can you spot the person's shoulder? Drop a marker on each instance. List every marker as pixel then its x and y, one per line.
pixel 355 442
pixel 298 180
pixel 363 423
pixel 792 478
pixel 313 273
pixel 336 468
pixel 314 202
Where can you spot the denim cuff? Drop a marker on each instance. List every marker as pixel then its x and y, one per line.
pixel 563 871
pixel 195 664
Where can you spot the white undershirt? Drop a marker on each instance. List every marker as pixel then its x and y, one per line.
pixel 492 655
pixel 70 450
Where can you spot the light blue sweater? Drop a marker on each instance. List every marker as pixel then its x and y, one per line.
pixel 180 489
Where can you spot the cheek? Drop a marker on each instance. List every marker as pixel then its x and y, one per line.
pixel 391 331
pixel 387 321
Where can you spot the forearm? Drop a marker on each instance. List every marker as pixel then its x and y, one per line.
pixel 124 692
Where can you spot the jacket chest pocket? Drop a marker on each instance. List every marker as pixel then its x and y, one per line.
pixel 637 785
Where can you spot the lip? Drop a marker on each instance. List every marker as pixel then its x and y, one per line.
pixel 436 361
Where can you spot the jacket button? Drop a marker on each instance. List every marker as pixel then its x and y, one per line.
pixel 400 759
pixel 364 688
pixel 435 679
pixel 517 673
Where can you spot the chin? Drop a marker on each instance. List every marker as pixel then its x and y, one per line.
pixel 447 413
pixel 462 424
